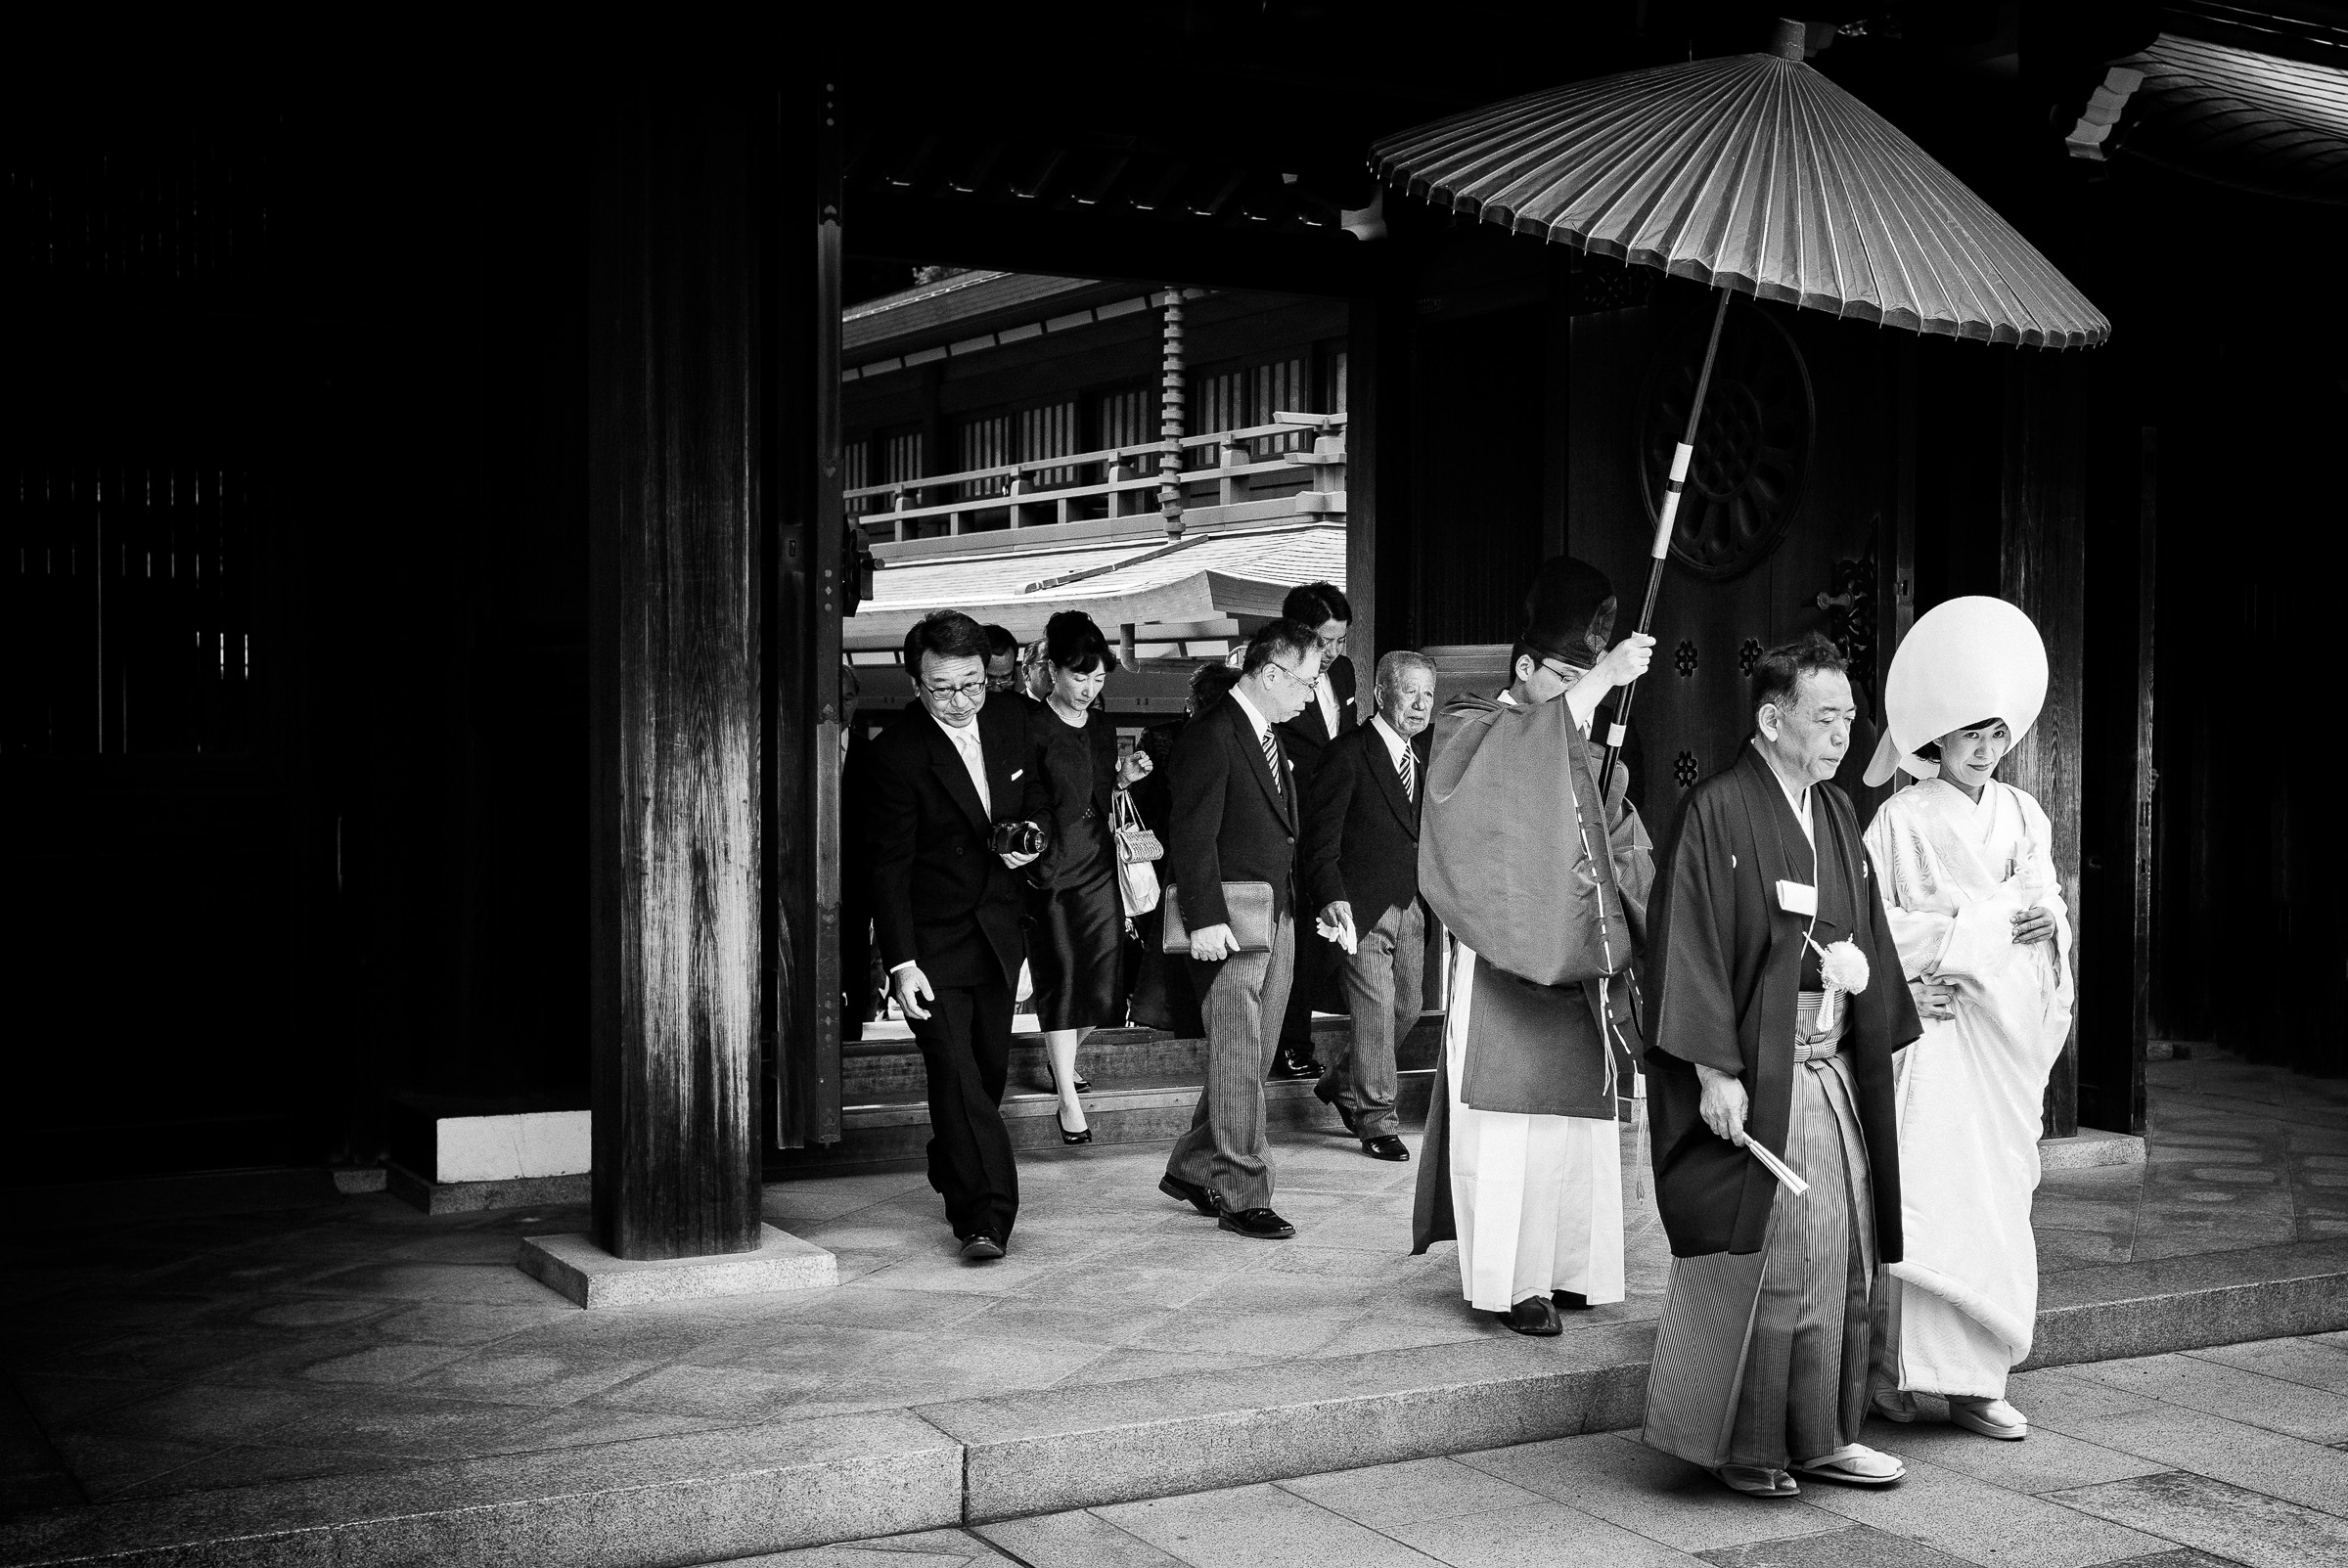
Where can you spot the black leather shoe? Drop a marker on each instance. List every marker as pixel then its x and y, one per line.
pixel 1570 1300
pixel 1288 1062
pixel 1084 1135
pixel 981 1246
pixel 1263 1224
pixel 1389 1148
pixel 1534 1315
pixel 1190 1193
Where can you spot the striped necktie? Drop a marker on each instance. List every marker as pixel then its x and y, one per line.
pixel 1410 773
pixel 1272 759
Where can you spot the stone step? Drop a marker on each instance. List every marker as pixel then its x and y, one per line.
pixel 707 1495
pixel 887 1064
pixel 1145 1085
pixel 1150 1109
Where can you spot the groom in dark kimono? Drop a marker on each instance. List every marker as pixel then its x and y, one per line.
pixel 1760 1365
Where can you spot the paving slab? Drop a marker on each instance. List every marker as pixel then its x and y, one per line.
pixel 2231 1522
pixel 1257 1527
pixel 322 1355
pixel 1616 1478
pixel 1540 1532
pixel 2313 1475
pixel 1987 1525
pixel 1851 1545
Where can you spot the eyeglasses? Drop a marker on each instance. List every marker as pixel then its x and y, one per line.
pixel 966 692
pixel 1569 674
pixel 1003 683
pixel 1291 673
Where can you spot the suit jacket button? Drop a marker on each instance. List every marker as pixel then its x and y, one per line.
pixel 1291 840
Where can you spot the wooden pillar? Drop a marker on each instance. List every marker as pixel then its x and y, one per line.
pixel 1377 446
pixel 2042 547
pixel 676 357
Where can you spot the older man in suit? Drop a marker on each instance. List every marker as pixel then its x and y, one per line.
pixel 1235 823
pixel 1319 725
pixel 1360 871
pixel 946 908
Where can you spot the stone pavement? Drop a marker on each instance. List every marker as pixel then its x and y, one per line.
pixel 2226 1455
pixel 355 1359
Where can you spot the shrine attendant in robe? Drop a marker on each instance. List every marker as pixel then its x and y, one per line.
pixel 1985 943
pixel 1522 1158
pixel 1774 1007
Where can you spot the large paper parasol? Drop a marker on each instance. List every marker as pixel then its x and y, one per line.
pixel 1756 175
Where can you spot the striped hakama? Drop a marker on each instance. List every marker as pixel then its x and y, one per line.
pixel 1762 1359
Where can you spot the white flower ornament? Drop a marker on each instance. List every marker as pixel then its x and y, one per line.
pixel 1843 969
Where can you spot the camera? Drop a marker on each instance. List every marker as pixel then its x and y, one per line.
pixel 1016 839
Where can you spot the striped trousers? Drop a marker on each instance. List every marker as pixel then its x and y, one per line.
pixel 1762 1359
pixel 1227 1149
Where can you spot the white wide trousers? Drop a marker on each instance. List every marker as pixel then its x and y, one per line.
pixel 1537 1199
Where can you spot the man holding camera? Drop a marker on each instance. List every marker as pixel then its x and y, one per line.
pixel 952 810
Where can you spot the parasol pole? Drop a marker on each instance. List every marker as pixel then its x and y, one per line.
pixel 1664 515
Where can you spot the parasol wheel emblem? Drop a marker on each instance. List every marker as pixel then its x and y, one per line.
pixel 1753 445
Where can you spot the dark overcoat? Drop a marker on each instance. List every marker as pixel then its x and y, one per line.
pixel 1724 966
pixel 940 896
pixel 1231 821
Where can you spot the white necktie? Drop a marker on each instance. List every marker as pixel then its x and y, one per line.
pixel 966 742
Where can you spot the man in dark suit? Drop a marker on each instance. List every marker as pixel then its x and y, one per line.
pixel 1328 717
pixel 1161 989
pixel 946 908
pixel 1360 871
pixel 1235 821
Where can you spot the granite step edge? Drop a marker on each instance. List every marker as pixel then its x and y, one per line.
pixel 1059 1449
pixel 728 1492
pixel 1047 1450
pixel 2113 1310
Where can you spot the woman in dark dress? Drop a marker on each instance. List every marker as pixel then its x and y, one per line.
pixel 1075 947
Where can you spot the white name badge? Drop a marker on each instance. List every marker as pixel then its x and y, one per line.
pixel 1797 898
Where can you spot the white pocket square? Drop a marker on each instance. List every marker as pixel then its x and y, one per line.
pixel 1017 772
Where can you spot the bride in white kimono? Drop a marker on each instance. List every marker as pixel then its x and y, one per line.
pixel 1984 934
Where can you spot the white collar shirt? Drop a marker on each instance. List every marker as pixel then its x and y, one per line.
pixel 1325 693
pixel 1254 718
pixel 1396 743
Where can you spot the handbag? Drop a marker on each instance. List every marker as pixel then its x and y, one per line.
pixel 1135 843
pixel 1136 847
pixel 1248 905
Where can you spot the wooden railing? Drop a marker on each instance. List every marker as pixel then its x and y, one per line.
pixel 1128 487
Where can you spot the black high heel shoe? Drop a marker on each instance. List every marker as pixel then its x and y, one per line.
pixel 1071 1140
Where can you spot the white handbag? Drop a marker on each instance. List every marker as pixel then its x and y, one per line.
pixel 1136 847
